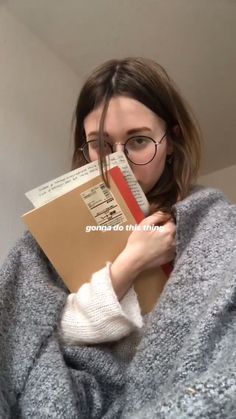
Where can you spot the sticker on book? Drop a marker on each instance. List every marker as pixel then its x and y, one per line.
pixel 103 206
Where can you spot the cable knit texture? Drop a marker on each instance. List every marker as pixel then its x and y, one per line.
pixel 184 366
pixel 94 314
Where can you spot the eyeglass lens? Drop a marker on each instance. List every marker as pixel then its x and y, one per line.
pixel 139 150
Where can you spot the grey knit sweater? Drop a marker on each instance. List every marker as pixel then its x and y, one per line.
pixel 185 364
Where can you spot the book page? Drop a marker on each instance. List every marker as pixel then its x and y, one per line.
pixel 136 189
pixel 65 183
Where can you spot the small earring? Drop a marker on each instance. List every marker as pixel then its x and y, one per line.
pixel 169 160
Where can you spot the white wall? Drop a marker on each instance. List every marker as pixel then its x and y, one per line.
pixel 37 98
pixel 222 179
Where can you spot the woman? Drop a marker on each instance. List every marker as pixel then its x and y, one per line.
pixel 184 364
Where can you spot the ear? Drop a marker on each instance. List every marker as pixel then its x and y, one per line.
pixel 170 146
pixel 176 130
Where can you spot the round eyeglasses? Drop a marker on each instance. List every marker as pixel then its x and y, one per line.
pixel 138 149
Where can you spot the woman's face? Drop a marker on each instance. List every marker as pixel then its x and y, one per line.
pixel 125 118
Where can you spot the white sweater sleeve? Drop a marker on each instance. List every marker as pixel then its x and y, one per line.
pixel 94 314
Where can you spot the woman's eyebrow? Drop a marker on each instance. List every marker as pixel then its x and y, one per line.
pixel 134 130
pixel 129 132
pixel 94 133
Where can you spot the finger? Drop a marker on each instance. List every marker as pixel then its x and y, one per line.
pixel 163 218
pixel 169 226
pixel 157 218
pixel 162 215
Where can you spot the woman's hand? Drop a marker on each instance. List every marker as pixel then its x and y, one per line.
pixel 144 249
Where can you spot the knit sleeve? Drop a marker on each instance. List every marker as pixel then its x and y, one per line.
pixel 94 314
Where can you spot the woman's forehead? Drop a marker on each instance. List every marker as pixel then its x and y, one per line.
pixel 124 114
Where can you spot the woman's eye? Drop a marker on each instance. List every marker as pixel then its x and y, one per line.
pixel 93 144
pixel 137 142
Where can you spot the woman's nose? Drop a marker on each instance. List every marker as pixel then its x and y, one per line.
pixel 118 147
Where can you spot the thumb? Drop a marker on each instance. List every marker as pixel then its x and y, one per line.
pixel 157 218
pixel 163 217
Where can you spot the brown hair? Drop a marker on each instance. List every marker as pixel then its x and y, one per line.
pixel 146 81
